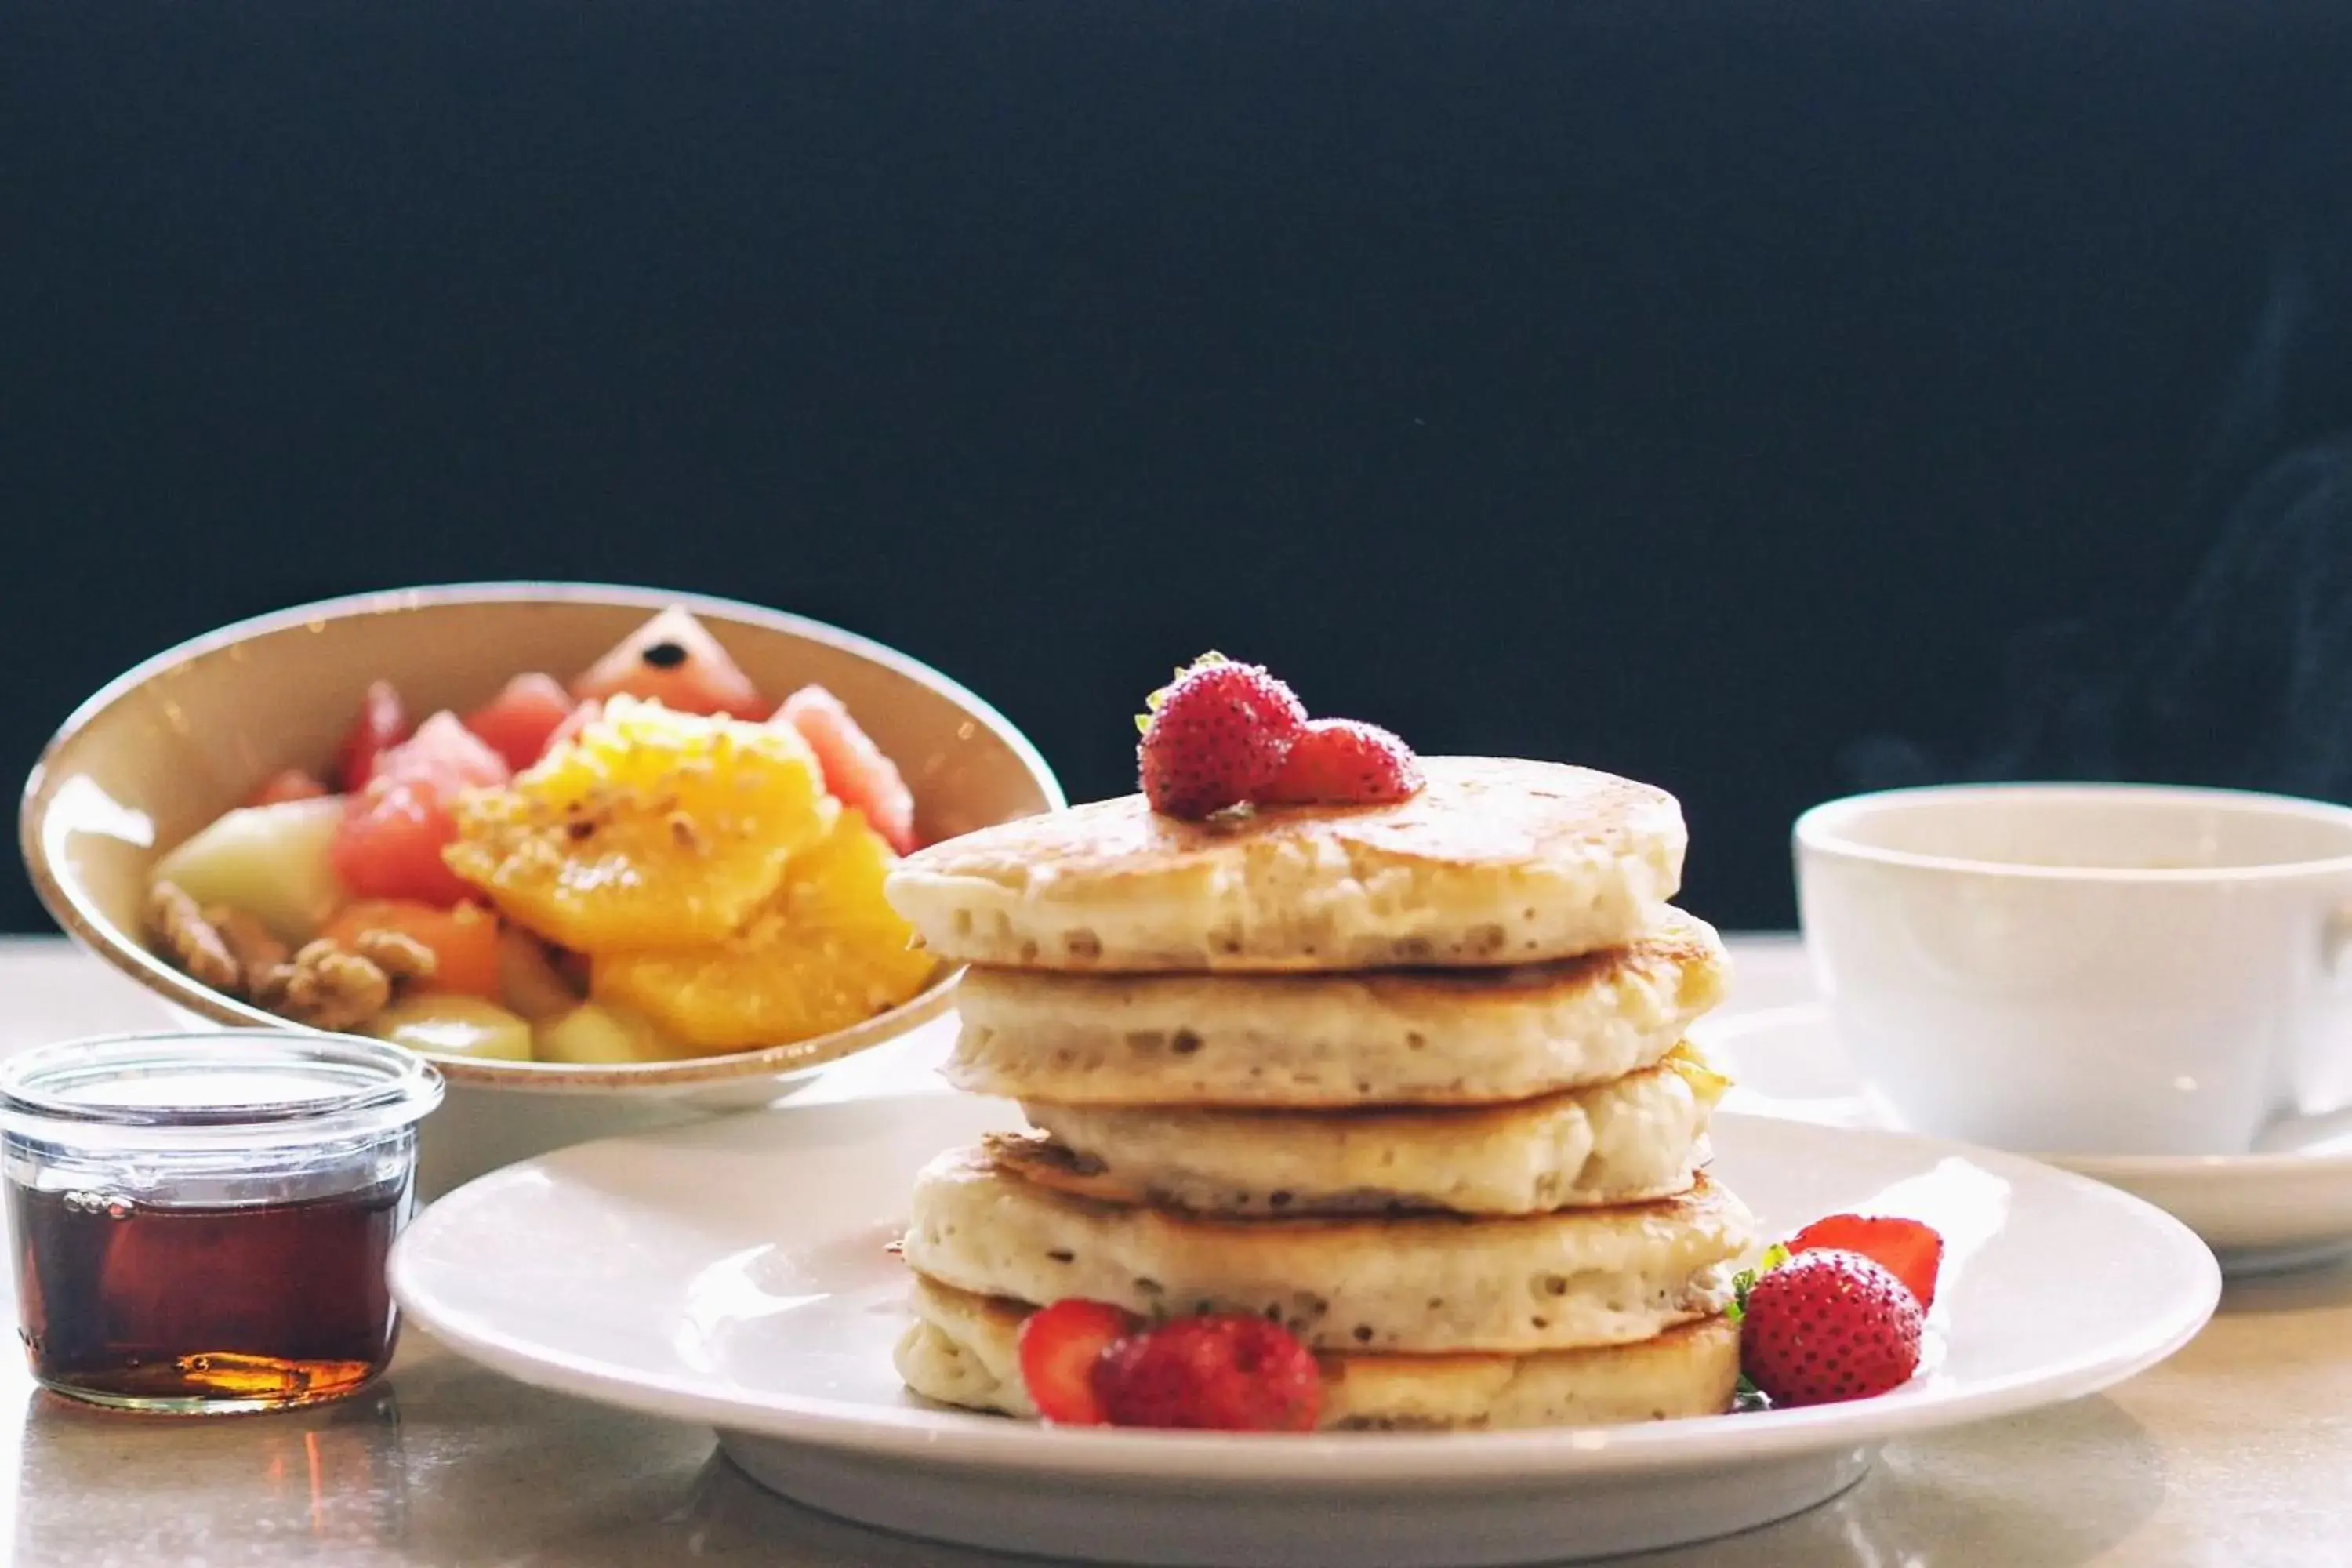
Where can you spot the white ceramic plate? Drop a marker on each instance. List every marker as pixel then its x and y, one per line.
pixel 733 1273
pixel 2258 1213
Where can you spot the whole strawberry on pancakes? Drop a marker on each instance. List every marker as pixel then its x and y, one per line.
pixel 1262 840
pixel 1838 1311
pixel 1358 1089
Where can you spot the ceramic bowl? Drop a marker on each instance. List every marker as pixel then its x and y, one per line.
pixel 163 750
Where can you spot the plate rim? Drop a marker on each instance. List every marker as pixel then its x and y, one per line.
pixel 938 1436
pixel 2236 1169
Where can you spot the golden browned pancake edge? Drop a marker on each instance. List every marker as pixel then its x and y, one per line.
pixel 1393 1037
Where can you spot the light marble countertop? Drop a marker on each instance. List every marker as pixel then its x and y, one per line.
pixel 2235 1454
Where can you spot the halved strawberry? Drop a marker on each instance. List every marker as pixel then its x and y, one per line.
pixel 1911 1252
pixel 1059 1347
pixel 1343 761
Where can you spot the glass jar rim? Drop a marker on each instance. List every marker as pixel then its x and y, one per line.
pixel 181 1089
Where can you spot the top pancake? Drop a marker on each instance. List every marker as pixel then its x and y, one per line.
pixel 1497 861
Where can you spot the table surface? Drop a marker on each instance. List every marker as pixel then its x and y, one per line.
pixel 2237 1453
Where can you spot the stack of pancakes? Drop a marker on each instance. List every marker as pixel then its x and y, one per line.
pixel 1408 1078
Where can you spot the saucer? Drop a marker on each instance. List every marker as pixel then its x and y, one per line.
pixel 2258 1213
pixel 734 1274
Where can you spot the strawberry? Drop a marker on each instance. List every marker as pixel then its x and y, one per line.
pixel 1227 1371
pixel 1059 1346
pixel 1905 1249
pixel 1828 1326
pixel 1344 763
pixel 1215 736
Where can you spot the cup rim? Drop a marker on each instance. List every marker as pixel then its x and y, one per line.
pixel 1827 830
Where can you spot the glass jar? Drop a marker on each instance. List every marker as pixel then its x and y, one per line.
pixel 200 1221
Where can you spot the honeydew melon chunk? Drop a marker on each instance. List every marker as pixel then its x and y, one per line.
pixel 454 1025
pixel 597 1034
pixel 270 861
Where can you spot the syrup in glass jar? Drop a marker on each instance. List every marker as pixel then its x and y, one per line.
pixel 200 1222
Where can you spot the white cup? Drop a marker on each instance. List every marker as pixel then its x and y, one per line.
pixel 2111 969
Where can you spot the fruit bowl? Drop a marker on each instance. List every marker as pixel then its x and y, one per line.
pixel 167 747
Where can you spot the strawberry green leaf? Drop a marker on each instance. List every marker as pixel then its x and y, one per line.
pixel 1745 1280
pixel 1153 702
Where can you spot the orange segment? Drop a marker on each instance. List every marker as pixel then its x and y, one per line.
pixel 824 953
pixel 646 829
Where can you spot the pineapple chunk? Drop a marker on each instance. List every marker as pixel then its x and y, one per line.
pixel 825 951
pixel 648 829
pixel 270 861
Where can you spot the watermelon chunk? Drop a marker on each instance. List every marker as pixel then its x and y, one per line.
pixel 520 719
pixel 382 724
pixel 673 661
pixel 857 773
pixel 587 713
pixel 389 843
pixel 447 754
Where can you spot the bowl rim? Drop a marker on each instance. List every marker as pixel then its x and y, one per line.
pixel 94 933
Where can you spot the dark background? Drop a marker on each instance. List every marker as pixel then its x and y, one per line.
pixel 1760 399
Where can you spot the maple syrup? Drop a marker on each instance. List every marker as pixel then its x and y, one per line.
pixel 281 1304
pixel 200 1223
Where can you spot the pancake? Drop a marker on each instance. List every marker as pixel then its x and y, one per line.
pixel 1418 1283
pixel 1639 1138
pixel 1497 861
pixel 963 1350
pixel 1395 1037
